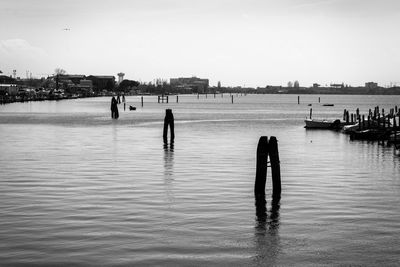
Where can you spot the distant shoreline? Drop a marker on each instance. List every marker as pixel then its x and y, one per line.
pixel 18 99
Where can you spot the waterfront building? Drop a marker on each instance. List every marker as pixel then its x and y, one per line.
pixel 196 85
pixel 371 85
pixel 102 82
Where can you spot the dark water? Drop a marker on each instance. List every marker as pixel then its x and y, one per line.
pixel 77 188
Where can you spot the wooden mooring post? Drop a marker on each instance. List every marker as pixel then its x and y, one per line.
pixel 232 98
pixel 169 120
pixel 267 148
pixel 142 100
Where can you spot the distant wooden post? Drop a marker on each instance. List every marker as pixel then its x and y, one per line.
pixel 177 99
pixel 158 99
pixel 198 95
pixel 214 94
pixel 344 115
pixel 357 114
pixel 363 121
pixel 298 99
pixel 319 99
pixel 232 99
pixel 167 99
pixel 310 113
pixel 168 120
pixel 379 120
pixel 142 101
pixel 265 149
pixel 369 121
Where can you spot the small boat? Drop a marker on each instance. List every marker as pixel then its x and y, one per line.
pixel 132 108
pixel 328 105
pixel 323 124
pixel 369 134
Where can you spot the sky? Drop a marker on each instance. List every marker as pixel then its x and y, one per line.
pixel 240 43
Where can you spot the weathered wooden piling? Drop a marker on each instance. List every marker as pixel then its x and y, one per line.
pixel 232 98
pixel 319 99
pixel 275 167
pixel 177 99
pixel 261 166
pixel 265 149
pixel 169 120
pixel 298 99
pixel 310 113
pixel 142 100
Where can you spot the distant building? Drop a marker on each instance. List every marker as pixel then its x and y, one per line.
pixel 102 82
pixel 337 85
pixel 371 85
pixel 194 84
pixel 10 89
pixel 74 78
pixel 8 85
pixel 6 79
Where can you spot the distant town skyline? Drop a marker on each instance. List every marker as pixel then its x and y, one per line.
pixel 240 43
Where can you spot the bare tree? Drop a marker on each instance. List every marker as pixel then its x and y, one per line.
pixel 59 71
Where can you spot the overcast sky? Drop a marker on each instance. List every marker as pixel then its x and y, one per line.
pixel 237 42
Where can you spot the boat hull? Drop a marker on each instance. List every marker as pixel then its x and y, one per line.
pixel 322 124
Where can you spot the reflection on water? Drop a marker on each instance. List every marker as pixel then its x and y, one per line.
pixel 168 159
pixel 169 170
pixel 267 241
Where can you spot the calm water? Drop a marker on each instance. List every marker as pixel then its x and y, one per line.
pixel 77 187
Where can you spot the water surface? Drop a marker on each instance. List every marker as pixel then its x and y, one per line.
pixel 77 187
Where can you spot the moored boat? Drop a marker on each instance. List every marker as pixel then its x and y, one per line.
pixel 322 124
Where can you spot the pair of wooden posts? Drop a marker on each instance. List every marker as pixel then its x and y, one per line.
pixel 267 149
